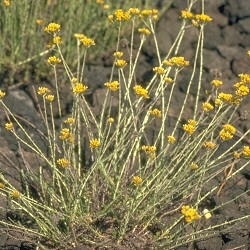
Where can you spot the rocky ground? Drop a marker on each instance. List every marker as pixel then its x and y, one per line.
pixel 226 41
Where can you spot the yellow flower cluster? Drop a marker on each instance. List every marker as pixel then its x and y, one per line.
pixel 246 151
pixel 94 143
pixel 110 120
pixel 43 90
pixel 159 70
pixel 52 28
pixel 53 60
pixel 209 144
pixel 196 19
pixel 2 94
pixel 227 132
pixel 7 3
pixel 194 166
pixel 148 149
pixel 125 15
pixel 168 80
pixel 118 54
pixel 144 31
pixel 155 112
pixel 151 13
pixel 171 139
pixel 245 78
pixel 57 40
pixel 134 11
pixel 190 213
pixel 79 88
pixel 120 63
pixel 120 15
pixel 136 180
pixel 140 91
pixel 63 162
pixel 9 126
pixel 113 86
pixel 190 127
pixel 225 97
pixel 70 120
pixel 241 90
pixel 66 135
pixel 15 194
pixel 243 86
pixel 216 83
pixel 49 98
pixel 86 41
pixel 176 61
pixel 206 106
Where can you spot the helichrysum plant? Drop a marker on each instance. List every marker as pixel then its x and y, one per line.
pixel 141 172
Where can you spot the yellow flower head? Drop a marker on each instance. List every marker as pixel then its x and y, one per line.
pixel 94 143
pixel 137 180
pixel 206 106
pixel 171 139
pixel 9 126
pixel 190 127
pixel 225 97
pixel 70 120
pixel 230 128
pixel 140 91
pixel 39 21
pixel 65 134
pixel 209 144
pixel 50 98
pixel 148 149
pixel 86 41
pixel 144 31
pixel 120 63
pixel 242 90
pixel 194 166
pixel 216 83
pixel 53 60
pixel 190 214
pixel 150 13
pixel 110 120
pixel 121 15
pixel 236 154
pixel 168 80
pixel 57 40
pixel 186 14
pixel 2 94
pixel 176 61
pixel 202 18
pixel 159 70
pixel 43 90
pixel 155 112
pixel 246 151
pixel 15 194
pixel 52 28
pixel 7 3
pixel 134 11
pixel 79 88
pixel 244 78
pixel 118 54
pixel 63 162
pixel 113 86
pixel 227 132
